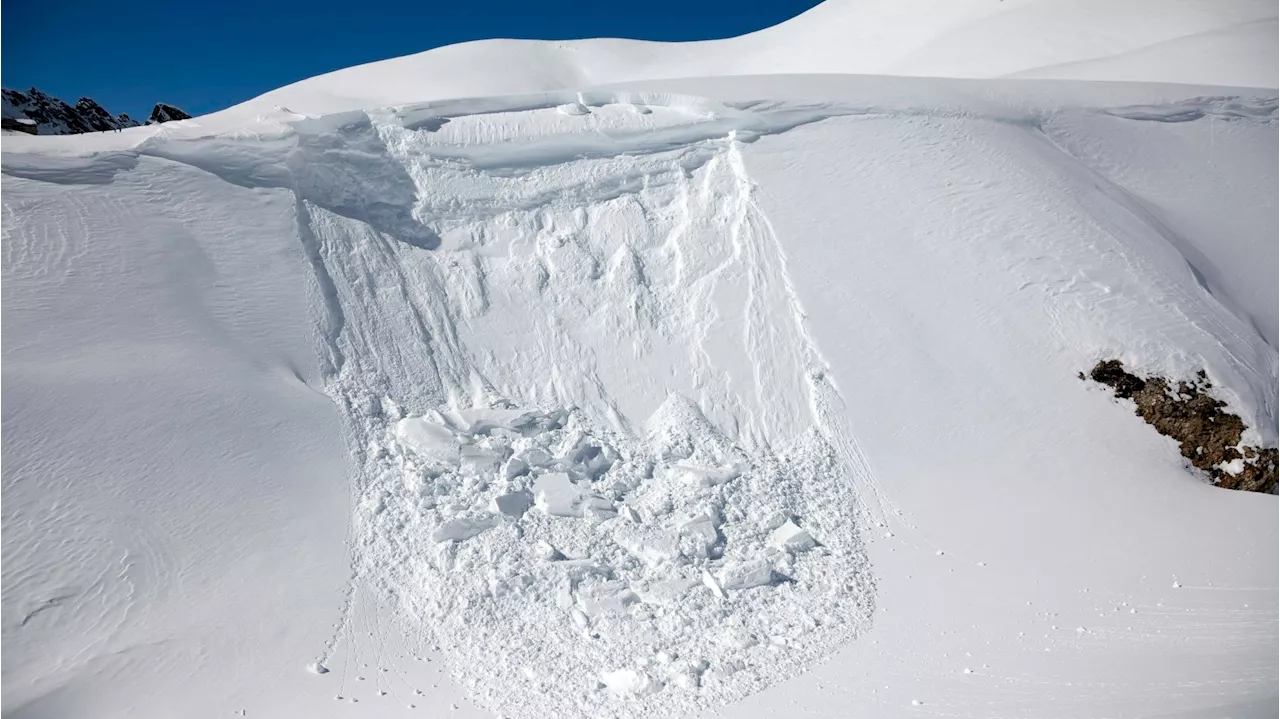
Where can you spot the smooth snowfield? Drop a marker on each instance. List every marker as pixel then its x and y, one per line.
pixel 1201 42
pixel 563 386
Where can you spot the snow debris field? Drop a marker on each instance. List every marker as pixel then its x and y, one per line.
pixel 629 380
pixel 592 551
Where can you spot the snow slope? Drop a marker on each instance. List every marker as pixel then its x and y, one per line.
pixel 748 394
pixel 1205 42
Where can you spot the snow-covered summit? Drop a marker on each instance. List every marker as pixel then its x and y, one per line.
pixel 1204 42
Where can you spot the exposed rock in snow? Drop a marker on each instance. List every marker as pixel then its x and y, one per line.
pixel 52 116
pixel 166 113
pixel 1210 438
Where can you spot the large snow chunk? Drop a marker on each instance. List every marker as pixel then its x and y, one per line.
pixel 477 461
pixel 706 476
pixel 652 547
pixel 703 529
pixel 512 504
pixel 460 530
pixel 484 421
pixel 667 591
pixel 744 575
pixel 556 494
pixel 535 457
pixel 607 598
pixel 629 681
pixel 789 537
pixel 428 440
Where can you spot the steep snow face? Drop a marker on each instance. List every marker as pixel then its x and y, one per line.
pixel 1194 41
pixel 651 398
pixel 603 542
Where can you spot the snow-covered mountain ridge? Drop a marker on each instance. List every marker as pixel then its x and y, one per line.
pixel 1200 42
pixel 742 394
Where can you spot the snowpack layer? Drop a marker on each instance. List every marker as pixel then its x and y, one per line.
pixel 644 400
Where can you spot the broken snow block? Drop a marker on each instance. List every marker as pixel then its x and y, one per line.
pixel 607 598
pixel 514 468
pixel 711 583
pixel 574 108
pixel 652 547
pixel 477 461
pixel 535 457
pixel 485 421
pixel 556 494
pixel 460 530
pixel 745 575
pixel 598 508
pixel 428 440
pixel 590 458
pixel 702 528
pixel 706 476
pixel 512 504
pixel 789 537
pixel 667 592
pixel 629 681
pixel 546 551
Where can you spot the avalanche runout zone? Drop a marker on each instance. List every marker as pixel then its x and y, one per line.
pixel 600 463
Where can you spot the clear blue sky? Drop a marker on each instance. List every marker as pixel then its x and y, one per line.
pixel 128 55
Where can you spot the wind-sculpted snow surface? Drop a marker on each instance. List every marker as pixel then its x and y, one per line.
pixel 613 369
pixel 661 512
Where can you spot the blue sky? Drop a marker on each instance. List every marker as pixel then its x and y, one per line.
pixel 203 57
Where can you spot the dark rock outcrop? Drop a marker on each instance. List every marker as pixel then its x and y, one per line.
pixel 166 113
pixel 50 116
pixel 1207 436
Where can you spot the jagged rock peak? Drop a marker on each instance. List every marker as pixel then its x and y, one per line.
pixel 48 115
pixel 166 113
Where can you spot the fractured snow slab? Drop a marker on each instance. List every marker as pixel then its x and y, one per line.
pixel 745 575
pixel 484 421
pixel 629 681
pixel 706 476
pixel 711 583
pixel 607 598
pixel 557 495
pixel 462 529
pixel 428 440
pixel 652 547
pixel 512 504
pixel 535 457
pixel 789 537
pixel 477 461
pixel 667 591
pixel 703 529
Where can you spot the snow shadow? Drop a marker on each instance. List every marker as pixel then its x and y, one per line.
pixel 338 163
pixel 92 170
